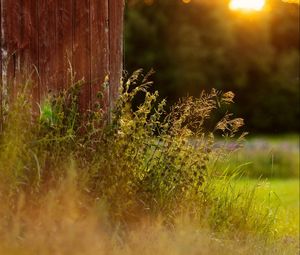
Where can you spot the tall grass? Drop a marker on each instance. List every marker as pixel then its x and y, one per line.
pixel 73 183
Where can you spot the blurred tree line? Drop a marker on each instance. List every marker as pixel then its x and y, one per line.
pixel 202 44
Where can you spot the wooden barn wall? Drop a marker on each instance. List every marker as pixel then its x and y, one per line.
pixel 42 40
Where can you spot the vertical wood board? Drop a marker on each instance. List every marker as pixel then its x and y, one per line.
pixel 99 51
pixel 43 40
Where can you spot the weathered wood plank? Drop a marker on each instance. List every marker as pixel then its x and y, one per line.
pixel 99 50
pixel 1 81
pixel 82 49
pixel 47 46
pixel 11 45
pixel 29 57
pixel 116 11
pixel 64 42
pixel 47 35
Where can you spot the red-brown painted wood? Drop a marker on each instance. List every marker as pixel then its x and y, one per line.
pixel 1 85
pixel 12 45
pixel 82 49
pixel 64 42
pixel 116 11
pixel 47 46
pixel 99 51
pixel 29 58
pixel 42 39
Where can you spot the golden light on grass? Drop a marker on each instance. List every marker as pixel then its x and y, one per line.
pixel 247 5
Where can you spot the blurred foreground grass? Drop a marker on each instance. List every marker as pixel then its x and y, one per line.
pixel 58 227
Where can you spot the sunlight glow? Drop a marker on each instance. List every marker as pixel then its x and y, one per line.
pixel 247 5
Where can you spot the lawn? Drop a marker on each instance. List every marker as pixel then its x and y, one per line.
pixel 266 157
pixel 282 195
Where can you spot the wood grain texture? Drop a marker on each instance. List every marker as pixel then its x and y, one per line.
pixel 64 42
pixel 42 40
pixel 1 80
pixel 82 49
pixel 47 46
pixel 12 22
pixel 99 51
pixel 116 12
pixel 29 57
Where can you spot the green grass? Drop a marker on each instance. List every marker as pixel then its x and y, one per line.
pixel 281 194
pixel 71 183
pixel 266 157
pixel 273 166
pixel 276 139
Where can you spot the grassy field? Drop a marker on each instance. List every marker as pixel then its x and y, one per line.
pixel 280 194
pixel 271 163
pixel 273 157
pixel 73 184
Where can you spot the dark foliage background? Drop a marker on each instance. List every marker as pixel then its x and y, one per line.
pixel 204 45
